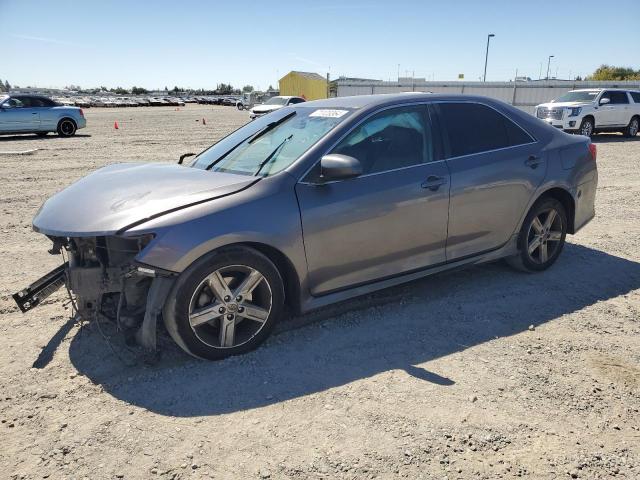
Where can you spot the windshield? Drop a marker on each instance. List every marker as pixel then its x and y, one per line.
pixel 249 152
pixel 276 101
pixel 584 96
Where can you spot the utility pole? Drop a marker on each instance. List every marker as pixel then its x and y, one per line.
pixel 548 65
pixel 486 56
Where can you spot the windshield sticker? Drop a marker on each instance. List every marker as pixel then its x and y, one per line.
pixel 326 113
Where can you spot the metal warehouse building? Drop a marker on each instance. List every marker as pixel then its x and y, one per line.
pixel 524 95
pixel 310 86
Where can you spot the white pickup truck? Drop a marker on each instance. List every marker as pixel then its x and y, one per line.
pixel 590 111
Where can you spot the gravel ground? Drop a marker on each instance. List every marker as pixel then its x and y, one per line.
pixel 482 373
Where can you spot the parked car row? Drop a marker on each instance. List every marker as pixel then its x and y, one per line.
pixel 129 101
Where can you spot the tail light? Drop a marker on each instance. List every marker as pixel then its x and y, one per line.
pixel 81 113
pixel 594 151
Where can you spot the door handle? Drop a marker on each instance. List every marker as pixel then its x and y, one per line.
pixel 433 182
pixel 34 113
pixel 533 161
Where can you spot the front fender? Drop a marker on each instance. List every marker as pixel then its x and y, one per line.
pixel 265 214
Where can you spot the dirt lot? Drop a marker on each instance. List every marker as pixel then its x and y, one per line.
pixel 441 378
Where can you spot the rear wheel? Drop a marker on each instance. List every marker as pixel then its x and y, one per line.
pixel 225 304
pixel 632 128
pixel 586 127
pixel 542 236
pixel 66 127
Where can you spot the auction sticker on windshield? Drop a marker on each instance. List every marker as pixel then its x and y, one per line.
pixel 328 113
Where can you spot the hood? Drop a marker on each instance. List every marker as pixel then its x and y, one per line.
pixel 115 197
pixel 266 108
pixel 563 104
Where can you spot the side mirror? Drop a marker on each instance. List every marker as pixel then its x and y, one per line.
pixel 339 167
pixel 604 101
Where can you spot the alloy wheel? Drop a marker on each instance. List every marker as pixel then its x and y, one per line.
pixel 633 128
pixel 587 129
pixel 544 236
pixel 230 306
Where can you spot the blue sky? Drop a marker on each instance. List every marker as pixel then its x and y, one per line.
pixel 199 44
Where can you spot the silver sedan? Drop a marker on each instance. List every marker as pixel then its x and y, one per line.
pixel 40 115
pixel 311 205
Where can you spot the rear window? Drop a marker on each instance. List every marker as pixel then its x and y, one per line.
pixel 635 96
pixel 475 128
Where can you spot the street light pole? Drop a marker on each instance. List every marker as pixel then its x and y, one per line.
pixel 486 57
pixel 548 65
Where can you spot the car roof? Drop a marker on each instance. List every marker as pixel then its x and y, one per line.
pixel 362 101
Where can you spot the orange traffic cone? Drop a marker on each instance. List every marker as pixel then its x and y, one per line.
pixel 115 125
pixel 204 122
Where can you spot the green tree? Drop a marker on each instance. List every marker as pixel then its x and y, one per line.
pixel 7 85
pixel 139 91
pixel 1 86
pixel 119 91
pixel 247 89
pixel 609 72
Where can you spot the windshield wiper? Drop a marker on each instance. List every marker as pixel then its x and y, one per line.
pixel 272 155
pixel 270 126
pixel 252 138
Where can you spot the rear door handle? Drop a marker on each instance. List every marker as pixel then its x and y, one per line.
pixel 433 182
pixel 533 161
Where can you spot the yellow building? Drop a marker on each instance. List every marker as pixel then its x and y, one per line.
pixel 310 86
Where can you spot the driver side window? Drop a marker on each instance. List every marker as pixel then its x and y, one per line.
pixel 392 139
pixel 13 103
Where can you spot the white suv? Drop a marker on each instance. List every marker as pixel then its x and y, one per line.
pixel 590 111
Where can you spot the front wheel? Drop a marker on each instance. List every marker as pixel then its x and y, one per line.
pixel 586 127
pixel 632 128
pixel 240 106
pixel 225 304
pixel 542 236
pixel 66 128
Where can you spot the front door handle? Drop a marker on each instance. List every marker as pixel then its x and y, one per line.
pixel 433 182
pixel 533 161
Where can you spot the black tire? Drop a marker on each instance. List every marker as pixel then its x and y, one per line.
pixel 240 106
pixel 587 127
pixel 633 127
pixel 534 261
pixel 66 127
pixel 180 303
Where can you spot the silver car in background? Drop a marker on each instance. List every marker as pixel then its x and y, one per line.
pixel 311 205
pixel 40 115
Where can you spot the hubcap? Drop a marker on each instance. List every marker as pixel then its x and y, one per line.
pixel 230 306
pixel 544 236
pixel 633 129
pixel 587 129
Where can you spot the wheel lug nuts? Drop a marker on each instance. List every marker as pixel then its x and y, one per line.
pixel 239 298
pixel 240 309
pixel 227 298
pixel 229 317
pixel 221 310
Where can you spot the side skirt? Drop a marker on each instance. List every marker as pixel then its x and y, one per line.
pixel 311 302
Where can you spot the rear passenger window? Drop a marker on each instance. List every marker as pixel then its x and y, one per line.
pixel 474 128
pixel 635 96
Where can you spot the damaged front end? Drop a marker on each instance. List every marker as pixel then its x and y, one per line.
pixel 104 279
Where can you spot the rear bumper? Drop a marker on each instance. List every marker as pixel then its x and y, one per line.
pixel 585 203
pixel 81 122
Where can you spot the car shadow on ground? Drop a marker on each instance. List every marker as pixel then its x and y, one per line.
pixel 13 138
pixel 399 328
pixel 613 138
